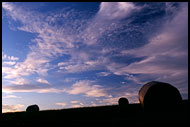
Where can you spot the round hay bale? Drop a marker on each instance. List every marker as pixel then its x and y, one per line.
pixel 123 108
pixel 159 96
pixel 32 108
pixel 123 102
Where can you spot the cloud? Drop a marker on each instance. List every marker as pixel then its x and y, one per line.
pixel 9 63
pixel 109 101
pixel 117 10
pixel 167 41
pixel 43 81
pixel 7 6
pixel 37 60
pixel 30 88
pixel 55 41
pixel 84 60
pixel 165 56
pixel 28 67
pixel 61 63
pixel 87 88
pixel 103 73
pixel 51 42
pixel 4 56
pixel 74 102
pixel 114 100
pixel 76 106
pixel 81 67
pixel 137 80
pixel 11 96
pixel 128 90
pixel 8 72
pixel 93 103
pixel 12 58
pixel 63 104
pixel 70 80
pixel 12 108
pixel 19 81
pixel 106 22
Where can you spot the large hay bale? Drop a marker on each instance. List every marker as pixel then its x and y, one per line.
pixel 159 96
pixel 32 108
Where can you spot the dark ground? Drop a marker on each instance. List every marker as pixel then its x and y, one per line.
pixel 112 115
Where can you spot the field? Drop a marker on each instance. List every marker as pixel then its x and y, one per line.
pixel 132 114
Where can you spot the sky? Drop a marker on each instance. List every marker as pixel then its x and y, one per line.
pixel 79 54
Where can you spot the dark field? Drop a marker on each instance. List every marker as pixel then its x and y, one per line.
pixel 132 114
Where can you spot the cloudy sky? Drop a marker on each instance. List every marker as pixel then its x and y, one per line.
pixel 64 55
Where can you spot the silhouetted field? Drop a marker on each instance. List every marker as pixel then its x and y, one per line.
pixel 132 114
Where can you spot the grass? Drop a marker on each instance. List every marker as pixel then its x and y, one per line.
pixel 99 115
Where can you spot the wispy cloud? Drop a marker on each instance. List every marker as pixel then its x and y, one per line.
pixel 74 102
pixel 36 60
pixel 117 10
pixel 43 81
pixel 87 88
pixel 19 81
pixel 62 104
pixel 105 22
pixel 61 63
pixel 12 58
pixel 103 73
pixel 77 106
pixel 11 96
pixel 12 108
pixel 7 6
pixel 70 80
pixel 9 60
pixel 109 101
pixel 9 63
pixel 30 88
pixel 48 37
pixel 129 91
pixel 4 56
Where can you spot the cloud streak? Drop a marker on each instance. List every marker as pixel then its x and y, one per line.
pixel 30 88
pixel 43 81
pixel 11 96
pixel 87 88
pixel 12 108
pixel 117 10
pixel 62 104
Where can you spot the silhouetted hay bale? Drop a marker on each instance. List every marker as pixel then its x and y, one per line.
pixel 123 102
pixel 159 96
pixel 32 108
pixel 123 107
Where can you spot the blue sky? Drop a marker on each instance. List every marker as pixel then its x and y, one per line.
pixel 65 55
